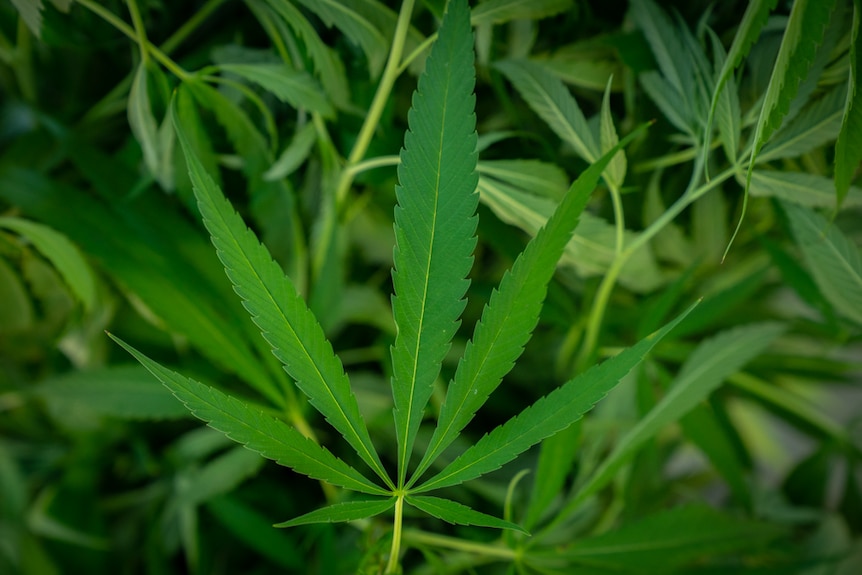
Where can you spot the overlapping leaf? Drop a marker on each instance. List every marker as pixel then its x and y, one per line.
pixel 282 315
pixel 434 223
pixel 259 432
pixel 848 148
pixel 512 314
pixel 457 514
pixel 341 512
pixel 550 414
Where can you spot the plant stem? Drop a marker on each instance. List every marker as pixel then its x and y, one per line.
pixel 121 26
pixel 190 26
pixel 140 31
pixel 483 549
pixel 609 280
pixel 395 551
pixel 381 97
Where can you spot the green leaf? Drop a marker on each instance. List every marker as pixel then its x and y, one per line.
pixel 547 416
pixel 31 14
pixel 801 188
pixel 591 249
pixel 291 86
pixel 703 371
pixel 435 223
pixel 501 11
pixel 726 108
pixel 534 176
pixel 512 314
pixel 156 143
pixel 556 458
pixel 753 20
pixel 127 392
pixel 616 170
pixel 833 259
pixel 552 101
pixel 848 148
pixel 280 312
pixel 250 527
pixel 16 309
pixel 671 539
pixel 259 432
pixel 62 253
pixel 355 25
pixel 805 30
pixel 221 475
pixel 294 154
pixel 456 513
pixel 341 512
pixel 817 124
pixel 328 68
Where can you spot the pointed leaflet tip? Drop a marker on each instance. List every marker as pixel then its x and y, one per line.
pixel 435 222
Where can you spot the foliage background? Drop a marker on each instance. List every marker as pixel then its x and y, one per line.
pixel 102 470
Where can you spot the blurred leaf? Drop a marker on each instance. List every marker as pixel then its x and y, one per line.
pixel 703 371
pixel 127 392
pixel 292 87
pixel 500 11
pixel 293 155
pixel 556 458
pixel 61 253
pixel 155 142
pixel 31 13
pixel 341 512
pixel 219 476
pixel 671 539
pixel 848 148
pixel 834 260
pixel 616 170
pixel 534 176
pixel 16 309
pixel 801 188
pixel 817 124
pixel 457 514
pixel 253 529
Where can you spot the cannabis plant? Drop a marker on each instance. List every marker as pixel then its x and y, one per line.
pixel 524 287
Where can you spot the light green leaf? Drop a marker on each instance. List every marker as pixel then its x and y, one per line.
pixel 355 26
pixel 547 416
pixel 341 512
pixel 670 539
pixel 591 249
pixel 534 176
pixel 328 68
pixel 511 315
pixel 259 432
pixel 753 20
pixel 62 253
pixel 500 11
pixel 833 259
pixel 128 392
pixel 280 312
pixel 435 223
pixel 294 154
pixel 291 86
pixel 673 59
pixel 848 148
pixel 801 188
pixel 31 13
pixel 144 126
pixel 817 124
pixel 16 309
pixel 668 100
pixel 589 64
pixel 705 369
pixel 616 170
pixel 456 513
pixel 552 101
pixel 726 107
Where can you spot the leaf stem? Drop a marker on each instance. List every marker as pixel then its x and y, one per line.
pixel 381 98
pixel 140 31
pixel 395 551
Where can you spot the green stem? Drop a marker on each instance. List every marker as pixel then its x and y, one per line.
pixel 380 162
pixel 190 26
pixel 395 551
pixel 140 31
pixel 483 549
pixel 381 97
pixel 609 280
pixel 24 62
pixel 128 31
pixel 619 219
